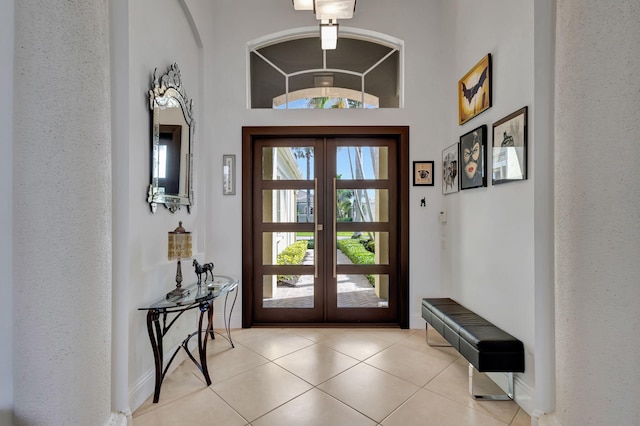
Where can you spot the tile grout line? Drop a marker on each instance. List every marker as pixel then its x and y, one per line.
pixel 391 341
pixel 359 362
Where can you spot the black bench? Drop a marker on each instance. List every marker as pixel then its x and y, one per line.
pixel 485 346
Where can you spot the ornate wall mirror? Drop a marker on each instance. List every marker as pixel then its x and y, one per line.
pixel 172 142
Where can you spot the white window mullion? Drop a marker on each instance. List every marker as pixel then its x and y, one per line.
pixel 295 69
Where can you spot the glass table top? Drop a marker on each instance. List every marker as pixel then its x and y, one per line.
pixel 219 286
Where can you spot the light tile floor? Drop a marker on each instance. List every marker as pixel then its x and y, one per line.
pixel 327 377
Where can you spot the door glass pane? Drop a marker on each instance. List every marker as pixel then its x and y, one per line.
pixel 362 162
pixel 287 163
pixel 363 248
pixel 287 248
pixel 288 205
pixel 280 291
pixel 363 291
pixel 362 205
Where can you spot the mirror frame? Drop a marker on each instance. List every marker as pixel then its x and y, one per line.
pixel 163 89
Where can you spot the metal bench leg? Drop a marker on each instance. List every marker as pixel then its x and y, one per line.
pixel 507 397
pixel 435 345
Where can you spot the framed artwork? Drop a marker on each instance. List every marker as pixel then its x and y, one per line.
pixel 473 150
pixel 510 148
pixel 228 174
pixel 450 156
pixel 423 173
pixel 474 90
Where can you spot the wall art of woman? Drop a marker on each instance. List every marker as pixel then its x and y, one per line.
pixel 473 152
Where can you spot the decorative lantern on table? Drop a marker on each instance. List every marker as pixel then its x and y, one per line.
pixel 179 247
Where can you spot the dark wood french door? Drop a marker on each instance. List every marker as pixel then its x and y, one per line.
pixel 325 225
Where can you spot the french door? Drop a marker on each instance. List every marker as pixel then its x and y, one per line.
pixel 324 228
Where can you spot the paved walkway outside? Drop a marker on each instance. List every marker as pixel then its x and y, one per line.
pixel 354 291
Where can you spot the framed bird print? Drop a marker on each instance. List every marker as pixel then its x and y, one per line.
pixel 473 150
pixel 510 148
pixel 474 90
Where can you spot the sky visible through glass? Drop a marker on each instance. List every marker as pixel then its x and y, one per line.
pixel 344 169
pixel 306 104
pixel 361 202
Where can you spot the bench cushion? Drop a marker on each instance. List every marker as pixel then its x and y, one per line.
pixel 491 349
pixel 485 346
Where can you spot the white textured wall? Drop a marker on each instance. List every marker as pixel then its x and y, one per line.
pixel 434 54
pixel 62 213
pixel 542 128
pixel 420 25
pixel 488 257
pixel 216 78
pixel 597 212
pixel 6 191
pixel 160 33
pixel 121 300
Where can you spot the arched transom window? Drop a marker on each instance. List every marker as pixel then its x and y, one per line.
pixel 292 71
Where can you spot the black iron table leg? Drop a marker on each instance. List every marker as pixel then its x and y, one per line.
pixel 196 297
pixel 156 345
pixel 210 325
pixel 202 342
pixel 227 322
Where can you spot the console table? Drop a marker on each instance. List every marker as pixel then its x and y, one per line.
pixel 198 296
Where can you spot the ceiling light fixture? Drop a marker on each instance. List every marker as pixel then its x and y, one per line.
pixel 329 34
pixel 334 9
pixel 303 4
pixel 328 12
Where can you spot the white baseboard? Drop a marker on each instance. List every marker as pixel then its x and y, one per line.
pixel 119 419
pixel 541 419
pixel 524 395
pixel 416 321
pixel 144 387
pixel 236 320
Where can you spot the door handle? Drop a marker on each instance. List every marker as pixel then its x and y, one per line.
pixel 316 228
pixel 335 230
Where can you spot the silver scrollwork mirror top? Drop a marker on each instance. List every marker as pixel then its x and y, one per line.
pixel 172 142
